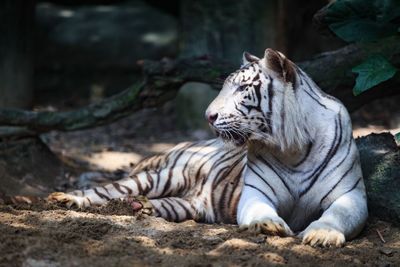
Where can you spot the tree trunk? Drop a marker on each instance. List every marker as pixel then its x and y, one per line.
pixel 16 31
pixel 224 29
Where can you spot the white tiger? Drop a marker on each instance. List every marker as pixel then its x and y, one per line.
pixel 293 169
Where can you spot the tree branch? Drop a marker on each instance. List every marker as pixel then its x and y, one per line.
pixel 136 97
pixel 331 71
pixel 161 83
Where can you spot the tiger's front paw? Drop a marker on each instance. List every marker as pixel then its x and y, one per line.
pixel 140 204
pixel 323 235
pixel 66 199
pixel 269 226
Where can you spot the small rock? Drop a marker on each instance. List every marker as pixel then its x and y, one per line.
pixel 259 239
pixel 386 251
pixel 274 258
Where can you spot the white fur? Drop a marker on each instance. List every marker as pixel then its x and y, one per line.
pixel 302 114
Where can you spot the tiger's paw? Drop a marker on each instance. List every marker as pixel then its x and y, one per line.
pixel 140 204
pixel 66 199
pixel 269 226
pixel 322 235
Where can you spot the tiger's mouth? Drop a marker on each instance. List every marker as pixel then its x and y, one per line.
pixel 238 139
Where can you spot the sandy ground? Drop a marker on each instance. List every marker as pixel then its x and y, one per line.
pixel 47 235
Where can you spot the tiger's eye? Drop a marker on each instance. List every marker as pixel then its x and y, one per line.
pixel 241 88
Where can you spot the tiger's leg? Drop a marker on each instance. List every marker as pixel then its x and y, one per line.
pixel 257 206
pixel 151 184
pixel 170 208
pixel 344 219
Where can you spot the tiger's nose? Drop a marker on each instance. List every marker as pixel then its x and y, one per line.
pixel 212 117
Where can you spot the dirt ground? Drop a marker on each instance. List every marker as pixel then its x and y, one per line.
pixel 46 235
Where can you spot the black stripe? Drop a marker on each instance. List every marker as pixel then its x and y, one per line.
pixel 105 189
pixel 231 200
pixel 260 176
pixel 158 179
pixel 138 183
pixel 282 168
pixel 309 147
pixel 280 178
pixel 222 160
pixel 118 188
pixel 204 163
pixel 354 186
pixel 218 181
pixel 173 209
pixel 127 189
pixel 223 173
pixel 315 86
pixel 338 182
pixel 185 178
pixel 240 111
pixel 310 87
pixel 215 165
pixel 331 152
pixel 340 163
pixel 348 191
pixel 270 106
pixel 101 195
pixel 169 216
pixel 171 169
pixel 187 211
pixel 283 117
pixel 257 89
pixel 221 202
pixel 255 188
pixel 151 181
pixel 316 100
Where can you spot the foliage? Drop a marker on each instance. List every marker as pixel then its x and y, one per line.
pixel 372 71
pixel 362 21
pixel 397 138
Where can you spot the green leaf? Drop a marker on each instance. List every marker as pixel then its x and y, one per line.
pixel 397 138
pixel 363 20
pixel 371 72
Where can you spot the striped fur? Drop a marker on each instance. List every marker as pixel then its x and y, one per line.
pixel 285 161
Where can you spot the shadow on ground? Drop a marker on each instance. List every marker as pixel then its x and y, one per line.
pixel 47 235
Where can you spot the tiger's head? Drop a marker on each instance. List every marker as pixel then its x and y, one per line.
pixel 258 102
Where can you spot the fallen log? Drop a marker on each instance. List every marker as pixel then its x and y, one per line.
pixel 162 79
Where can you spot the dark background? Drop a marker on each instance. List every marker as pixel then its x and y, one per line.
pixel 59 55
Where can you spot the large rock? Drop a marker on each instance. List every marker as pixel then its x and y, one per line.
pixel 190 103
pixel 92 51
pixel 380 161
pixel 103 36
pixel 28 167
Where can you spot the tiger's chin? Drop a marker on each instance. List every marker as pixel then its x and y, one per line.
pixel 233 137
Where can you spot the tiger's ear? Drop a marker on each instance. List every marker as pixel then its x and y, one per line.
pixel 248 58
pixel 277 62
